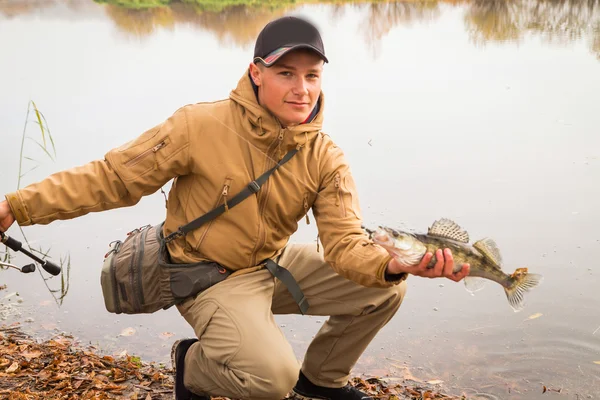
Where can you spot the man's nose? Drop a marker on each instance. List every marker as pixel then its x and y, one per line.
pixel 300 87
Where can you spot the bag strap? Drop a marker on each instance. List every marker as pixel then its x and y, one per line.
pixel 288 280
pixel 251 188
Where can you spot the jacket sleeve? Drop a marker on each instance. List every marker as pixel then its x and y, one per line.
pixel 347 247
pixel 127 173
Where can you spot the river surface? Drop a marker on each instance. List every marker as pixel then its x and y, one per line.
pixel 485 112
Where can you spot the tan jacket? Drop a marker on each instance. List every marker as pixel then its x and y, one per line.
pixel 212 151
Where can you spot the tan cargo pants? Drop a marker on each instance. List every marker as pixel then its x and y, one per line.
pixel 242 353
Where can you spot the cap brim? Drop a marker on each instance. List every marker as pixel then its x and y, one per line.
pixel 280 52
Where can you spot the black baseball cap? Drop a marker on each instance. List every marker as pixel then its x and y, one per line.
pixel 285 34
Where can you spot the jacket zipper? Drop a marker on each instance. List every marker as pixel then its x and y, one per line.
pixel 339 201
pixel 140 269
pixel 224 191
pixel 224 194
pixel 143 154
pixel 306 208
pixel 113 276
pixel 262 201
pixel 134 259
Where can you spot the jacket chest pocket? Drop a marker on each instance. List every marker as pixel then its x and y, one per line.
pixel 222 198
pixel 346 198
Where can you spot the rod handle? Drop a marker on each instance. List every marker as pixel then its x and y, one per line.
pixel 11 243
pixel 51 268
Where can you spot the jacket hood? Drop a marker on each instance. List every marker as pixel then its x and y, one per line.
pixel 264 127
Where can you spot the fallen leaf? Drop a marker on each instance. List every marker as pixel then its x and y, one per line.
pixel 29 355
pixel 128 332
pixel 122 354
pixel 534 316
pixel 118 375
pixel 597 362
pixel 13 367
pixel 166 335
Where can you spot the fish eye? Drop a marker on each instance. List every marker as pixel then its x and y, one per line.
pixel 395 233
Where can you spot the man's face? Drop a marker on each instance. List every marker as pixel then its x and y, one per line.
pixel 290 88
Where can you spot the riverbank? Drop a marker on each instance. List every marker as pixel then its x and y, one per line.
pixel 61 368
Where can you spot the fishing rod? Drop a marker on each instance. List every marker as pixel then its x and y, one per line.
pixel 15 245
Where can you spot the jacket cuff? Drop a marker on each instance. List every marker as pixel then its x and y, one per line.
pixel 18 209
pixel 390 279
pixel 396 278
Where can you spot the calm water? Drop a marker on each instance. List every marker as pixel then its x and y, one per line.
pixel 486 112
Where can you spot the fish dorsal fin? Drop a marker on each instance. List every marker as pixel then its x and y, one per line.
pixel 490 250
pixel 448 229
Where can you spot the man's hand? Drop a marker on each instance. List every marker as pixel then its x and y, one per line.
pixel 6 216
pixel 443 267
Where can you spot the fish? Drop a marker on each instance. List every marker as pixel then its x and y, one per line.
pixel 483 256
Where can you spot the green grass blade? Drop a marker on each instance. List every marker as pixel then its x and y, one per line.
pixel 43 148
pixel 49 134
pixel 28 171
pixel 39 118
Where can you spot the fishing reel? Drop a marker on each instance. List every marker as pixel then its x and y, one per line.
pixel 15 245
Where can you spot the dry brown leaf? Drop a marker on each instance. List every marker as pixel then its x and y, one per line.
pixel 127 332
pixel 148 397
pixel 30 355
pixel 534 316
pixel 13 367
pixel 165 335
pixel 118 375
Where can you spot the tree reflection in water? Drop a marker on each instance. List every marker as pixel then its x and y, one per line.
pixel 237 22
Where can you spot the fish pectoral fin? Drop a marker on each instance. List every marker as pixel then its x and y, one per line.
pixel 474 283
pixel 445 228
pixel 490 250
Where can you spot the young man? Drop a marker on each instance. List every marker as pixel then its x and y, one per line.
pixel 212 150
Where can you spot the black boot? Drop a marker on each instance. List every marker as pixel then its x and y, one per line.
pixel 178 352
pixel 306 390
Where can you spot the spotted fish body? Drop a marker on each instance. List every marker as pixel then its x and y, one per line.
pixel 483 257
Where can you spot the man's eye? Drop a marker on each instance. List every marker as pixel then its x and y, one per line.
pixel 285 73
pixel 313 76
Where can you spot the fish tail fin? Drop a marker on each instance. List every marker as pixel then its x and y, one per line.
pixel 520 282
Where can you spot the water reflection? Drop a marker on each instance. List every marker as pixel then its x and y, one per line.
pixel 556 21
pixel 235 25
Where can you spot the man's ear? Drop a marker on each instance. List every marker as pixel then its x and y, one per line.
pixel 255 74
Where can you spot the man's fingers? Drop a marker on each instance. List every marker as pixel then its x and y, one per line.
pixel 448 264
pixel 425 261
pixel 466 268
pixel 439 265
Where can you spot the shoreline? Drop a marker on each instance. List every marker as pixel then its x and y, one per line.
pixel 61 368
